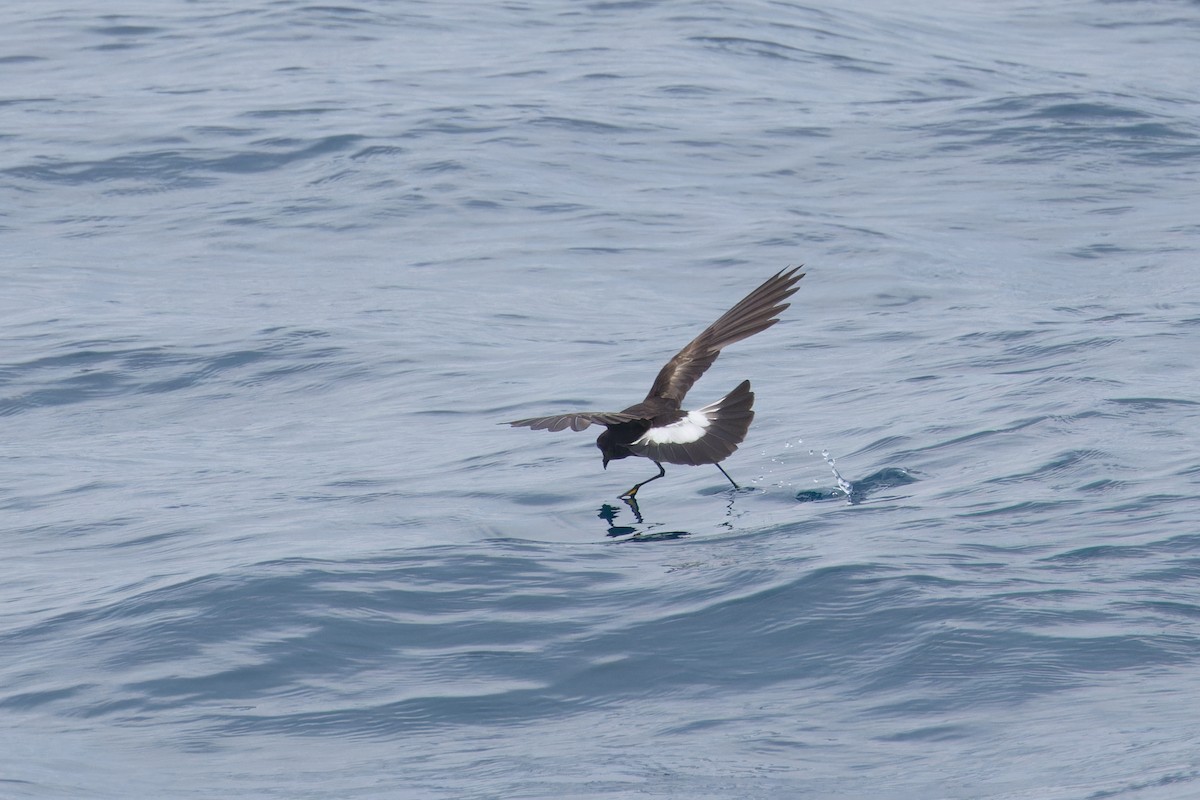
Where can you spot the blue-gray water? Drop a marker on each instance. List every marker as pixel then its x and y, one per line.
pixel 273 274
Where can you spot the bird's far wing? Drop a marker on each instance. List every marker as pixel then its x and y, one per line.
pixel 756 312
pixel 576 421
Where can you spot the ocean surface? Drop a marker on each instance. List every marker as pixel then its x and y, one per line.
pixel 274 275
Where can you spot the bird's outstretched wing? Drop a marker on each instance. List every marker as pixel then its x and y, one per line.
pixel 576 422
pixel 756 312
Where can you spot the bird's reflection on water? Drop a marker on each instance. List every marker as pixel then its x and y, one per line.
pixel 648 533
pixel 640 531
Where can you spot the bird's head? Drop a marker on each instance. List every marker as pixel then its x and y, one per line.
pixel 610 450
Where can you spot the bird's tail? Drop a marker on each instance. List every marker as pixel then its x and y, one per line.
pixel 707 435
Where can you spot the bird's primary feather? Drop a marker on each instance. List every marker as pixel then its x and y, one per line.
pixel 758 311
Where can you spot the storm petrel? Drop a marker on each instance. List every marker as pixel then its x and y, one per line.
pixel 658 428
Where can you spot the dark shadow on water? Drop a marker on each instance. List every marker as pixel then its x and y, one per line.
pixel 656 536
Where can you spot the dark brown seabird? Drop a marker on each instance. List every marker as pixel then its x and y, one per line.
pixel 658 428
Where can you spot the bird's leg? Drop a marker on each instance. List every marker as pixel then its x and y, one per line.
pixel 633 492
pixel 726 474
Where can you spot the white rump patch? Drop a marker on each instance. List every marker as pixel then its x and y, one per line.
pixel 687 430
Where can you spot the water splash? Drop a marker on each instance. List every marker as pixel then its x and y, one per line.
pixel 780 484
pixel 844 487
pixel 842 483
